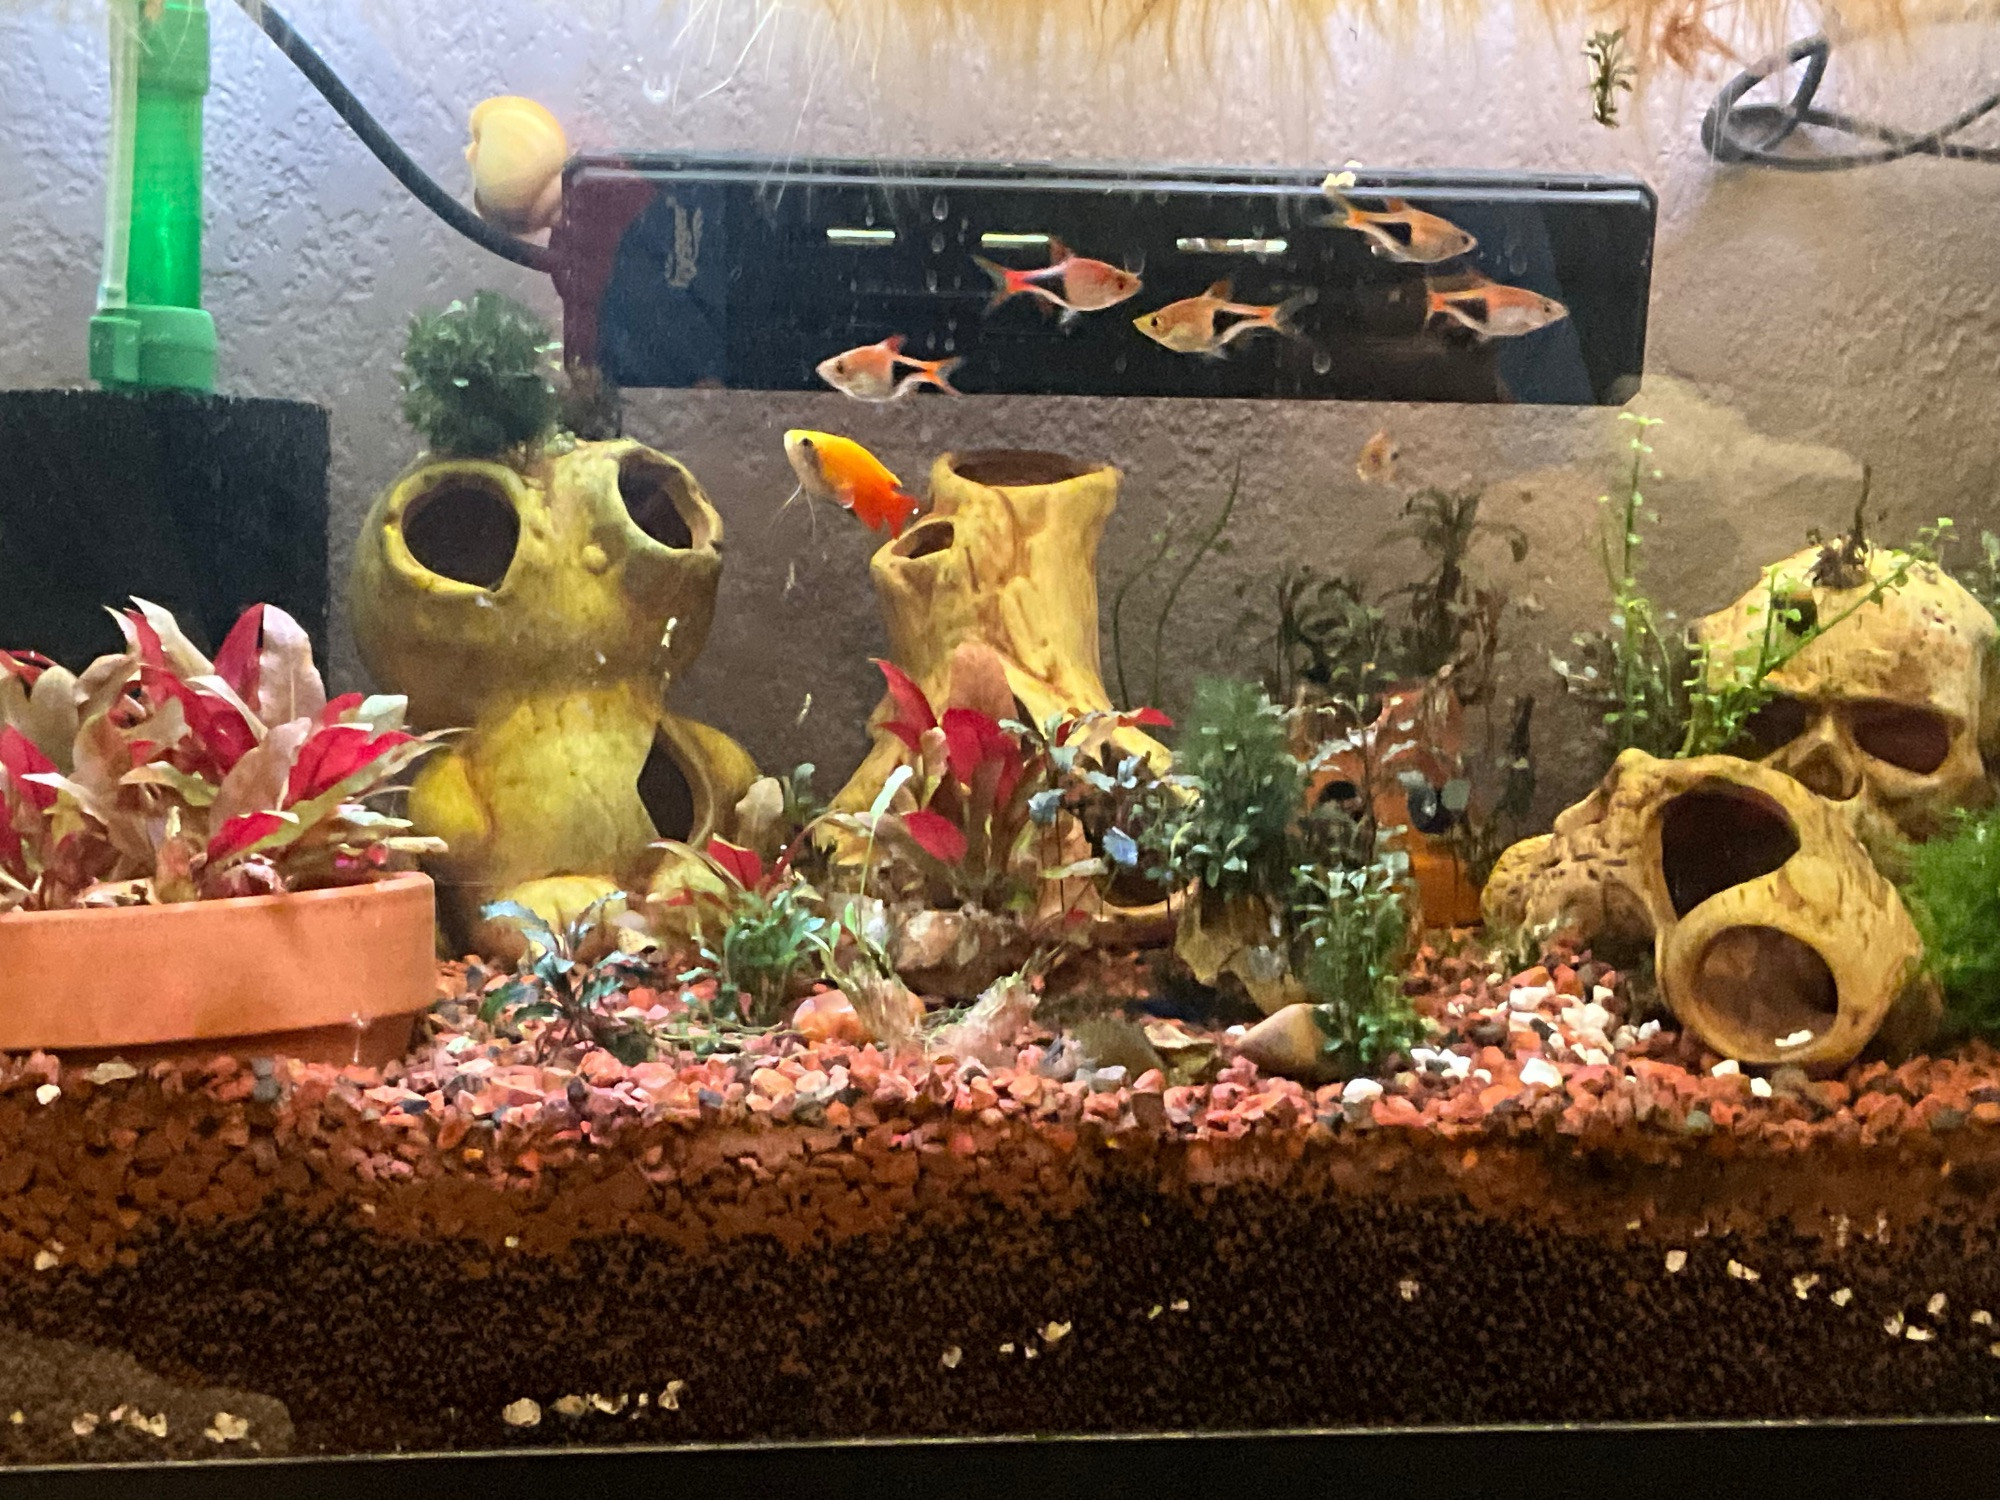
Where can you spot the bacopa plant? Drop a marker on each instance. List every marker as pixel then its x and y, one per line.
pixel 158 775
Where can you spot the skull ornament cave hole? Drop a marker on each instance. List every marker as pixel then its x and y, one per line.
pixel 1769 984
pixel 658 500
pixel 1712 839
pixel 666 793
pixel 463 528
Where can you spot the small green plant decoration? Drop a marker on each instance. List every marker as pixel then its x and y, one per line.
pixel 1352 937
pixel 1633 674
pixel 1611 74
pixel 566 979
pixel 476 378
pixel 1451 620
pixel 1234 835
pixel 1953 894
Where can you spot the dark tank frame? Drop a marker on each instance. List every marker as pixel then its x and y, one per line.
pixel 744 273
pixel 1769 1460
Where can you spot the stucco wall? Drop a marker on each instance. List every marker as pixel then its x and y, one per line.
pixel 1800 324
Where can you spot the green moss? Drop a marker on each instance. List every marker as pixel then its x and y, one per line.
pixel 476 377
pixel 1953 893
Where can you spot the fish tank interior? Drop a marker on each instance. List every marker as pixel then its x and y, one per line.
pixel 741 721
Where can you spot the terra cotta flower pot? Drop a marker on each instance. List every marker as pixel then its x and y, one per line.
pixel 332 976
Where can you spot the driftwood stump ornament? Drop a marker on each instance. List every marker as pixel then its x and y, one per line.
pixel 1007 558
pixel 548 606
pixel 1774 937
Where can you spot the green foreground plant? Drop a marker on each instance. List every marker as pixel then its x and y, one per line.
pixel 1953 895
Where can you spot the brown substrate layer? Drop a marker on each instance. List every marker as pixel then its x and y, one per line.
pixel 1548 1213
pixel 1255 1310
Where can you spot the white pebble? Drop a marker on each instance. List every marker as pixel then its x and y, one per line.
pixel 1918 1335
pixel 1592 1057
pixel 1649 1030
pixel 1529 996
pixel 84 1423
pixel 114 1071
pixel 1842 1297
pixel 46 1260
pixel 1423 1057
pixel 1540 1072
pixel 950 1358
pixel 1458 1064
pixel 1676 1261
pixel 1361 1091
pixel 1603 994
pixel 570 1406
pixel 522 1413
pixel 1797 1039
pixel 1729 1067
pixel 606 1404
pixel 1742 1272
pixel 1008 1347
pixel 1994 1350
pixel 1054 1333
pixel 670 1398
pixel 48 1093
pixel 1802 1285
pixel 1982 1318
pixel 224 1428
pixel 1893 1325
pixel 1179 1304
pixel 1407 1289
pixel 1760 1088
pixel 1482 1075
pixel 1936 1305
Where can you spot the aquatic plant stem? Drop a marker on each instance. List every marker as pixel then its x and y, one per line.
pixel 1208 542
pixel 1144 570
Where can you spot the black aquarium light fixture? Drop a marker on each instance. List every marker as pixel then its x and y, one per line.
pixel 748 273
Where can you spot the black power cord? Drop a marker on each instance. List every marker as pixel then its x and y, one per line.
pixel 420 183
pixel 1754 134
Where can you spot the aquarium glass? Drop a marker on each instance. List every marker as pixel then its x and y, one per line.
pixel 742 720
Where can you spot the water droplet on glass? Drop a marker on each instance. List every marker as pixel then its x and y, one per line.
pixel 937 242
pixel 939 208
pixel 951 325
pixel 950 346
pixel 1118 364
pixel 868 216
pixel 930 280
pixel 1322 362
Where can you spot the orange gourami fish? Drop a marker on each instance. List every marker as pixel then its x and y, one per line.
pixel 1087 285
pixel 1400 232
pixel 1188 326
pixel 840 470
pixel 869 373
pixel 1494 311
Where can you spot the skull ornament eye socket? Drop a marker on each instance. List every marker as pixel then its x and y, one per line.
pixel 1906 736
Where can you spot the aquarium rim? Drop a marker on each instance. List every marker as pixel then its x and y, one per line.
pixel 1496 184
pixel 1769 1459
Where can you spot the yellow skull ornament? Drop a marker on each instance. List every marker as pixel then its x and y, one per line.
pixel 547 608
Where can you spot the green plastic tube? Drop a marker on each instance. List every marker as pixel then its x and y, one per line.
pixel 150 331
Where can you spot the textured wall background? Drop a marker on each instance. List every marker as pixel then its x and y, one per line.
pixel 1800 324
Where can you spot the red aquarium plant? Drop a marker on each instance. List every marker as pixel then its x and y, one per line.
pixel 983 787
pixel 188 860
pixel 159 776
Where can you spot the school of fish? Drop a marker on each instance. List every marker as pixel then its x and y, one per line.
pixel 842 472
